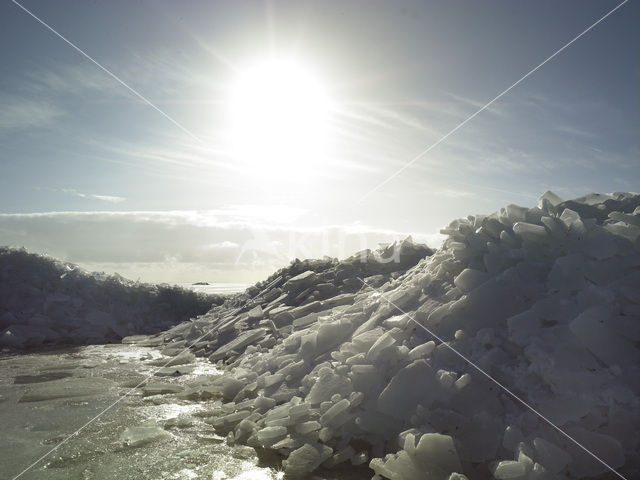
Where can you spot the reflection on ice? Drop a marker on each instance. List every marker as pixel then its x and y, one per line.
pixel 250 474
pixel 160 435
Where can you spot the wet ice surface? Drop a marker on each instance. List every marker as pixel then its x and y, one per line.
pixel 46 397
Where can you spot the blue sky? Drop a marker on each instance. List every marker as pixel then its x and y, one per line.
pixel 400 75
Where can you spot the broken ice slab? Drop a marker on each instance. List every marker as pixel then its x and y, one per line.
pixel 271 435
pixel 281 316
pixel 299 282
pixel 161 388
pixel 343 299
pixel 595 330
pixel 549 197
pixel 470 279
pixel 183 358
pixel 229 421
pixel 144 434
pixel 414 384
pixel 255 313
pixel 43 377
pixel 435 456
pixel 550 456
pixel 510 469
pixel 626 218
pixel 306 309
pixel 66 388
pixel 306 459
pixel 175 371
pixel 609 451
pixel 531 232
pixel 305 321
pixel 238 344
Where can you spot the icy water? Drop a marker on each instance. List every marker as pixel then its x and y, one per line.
pixel 216 288
pixel 45 397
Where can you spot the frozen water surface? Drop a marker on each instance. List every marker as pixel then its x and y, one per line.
pixel 45 397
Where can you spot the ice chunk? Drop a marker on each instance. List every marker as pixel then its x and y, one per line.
pixel 549 197
pixel 567 274
pixel 334 411
pixel 231 387
pixel 556 227
pixel 327 385
pixel 414 384
pixel 434 457
pixel 331 334
pixel 143 435
pixel 229 421
pixel 160 388
pixel 437 454
pixel 523 326
pixel 552 457
pixel 343 299
pixel 573 222
pixel 308 427
pixel 340 457
pixel 299 282
pixel 606 447
pixel 183 358
pixel 281 316
pixel 270 435
pixel 256 313
pixel 463 381
pixel 538 472
pixel 65 388
pixel 175 371
pixel 385 341
pixel 512 437
pixel 306 459
pixel 239 343
pixel 593 328
pixel 508 469
pixel 516 213
pixel 531 232
pixel 470 279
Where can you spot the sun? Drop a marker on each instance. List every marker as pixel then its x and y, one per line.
pixel 278 116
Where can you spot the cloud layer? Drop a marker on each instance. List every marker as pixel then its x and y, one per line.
pixel 185 246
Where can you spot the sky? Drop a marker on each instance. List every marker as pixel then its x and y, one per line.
pixel 231 137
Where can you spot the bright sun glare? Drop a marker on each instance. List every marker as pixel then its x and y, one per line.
pixel 279 114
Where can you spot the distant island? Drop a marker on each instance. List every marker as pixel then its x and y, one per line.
pixel 201 283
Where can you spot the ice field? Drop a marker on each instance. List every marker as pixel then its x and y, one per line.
pixel 510 353
pixel 154 432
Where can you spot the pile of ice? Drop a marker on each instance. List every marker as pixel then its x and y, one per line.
pixel 45 301
pixel 546 300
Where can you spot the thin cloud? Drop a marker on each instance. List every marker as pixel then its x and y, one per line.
pixel 18 112
pixel 91 196
pixel 104 198
pixel 572 130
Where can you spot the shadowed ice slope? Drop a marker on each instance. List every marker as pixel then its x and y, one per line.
pixel 327 370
